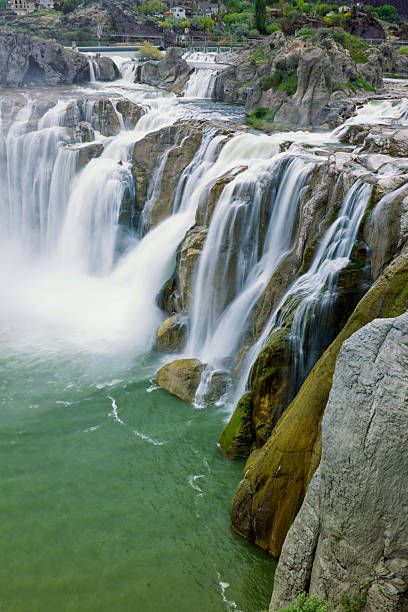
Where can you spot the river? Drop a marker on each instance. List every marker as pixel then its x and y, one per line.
pixel 114 495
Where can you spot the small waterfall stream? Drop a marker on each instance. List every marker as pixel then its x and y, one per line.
pixel 317 287
pixel 200 84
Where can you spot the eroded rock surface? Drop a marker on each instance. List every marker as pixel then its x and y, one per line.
pixel 351 530
pixel 171 72
pixel 25 60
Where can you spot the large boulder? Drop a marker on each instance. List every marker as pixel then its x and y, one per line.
pixel 171 72
pixel 313 91
pixel 181 378
pixel 171 335
pixel 350 534
pixel 25 60
pixel 106 69
pixel 130 112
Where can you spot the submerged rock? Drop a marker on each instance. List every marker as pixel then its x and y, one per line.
pixel 181 378
pixel 351 530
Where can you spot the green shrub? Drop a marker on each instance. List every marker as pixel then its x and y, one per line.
pixel 261 118
pixel 403 50
pixel 339 36
pixel 309 603
pixel 289 82
pixel 386 12
pixel 272 28
pixel 323 9
pixel 358 57
pixel 271 80
pixel 305 33
pixel 281 64
pixel 148 52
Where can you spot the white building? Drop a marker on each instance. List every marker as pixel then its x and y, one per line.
pixel 178 11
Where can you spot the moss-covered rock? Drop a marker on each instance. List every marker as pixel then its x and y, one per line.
pixel 270 384
pixel 236 439
pixel 277 475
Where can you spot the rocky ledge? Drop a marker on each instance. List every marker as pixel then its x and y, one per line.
pixel 300 81
pixel 171 72
pixel 29 61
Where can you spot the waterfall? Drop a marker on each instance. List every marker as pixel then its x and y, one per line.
pixel 128 70
pixel 200 84
pixel 237 261
pixel 154 187
pixel 27 195
pixel 316 288
pixel 92 78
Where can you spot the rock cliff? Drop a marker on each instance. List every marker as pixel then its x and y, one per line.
pixel 299 81
pixel 350 534
pixel 25 60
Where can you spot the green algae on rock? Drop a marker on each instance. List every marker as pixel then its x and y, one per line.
pixel 276 476
pixel 236 439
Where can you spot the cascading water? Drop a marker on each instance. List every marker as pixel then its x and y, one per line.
pixel 315 289
pixel 92 78
pixel 233 260
pixel 77 309
pixel 200 84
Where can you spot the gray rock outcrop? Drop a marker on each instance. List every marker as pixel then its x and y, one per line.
pixel 25 60
pixel 106 69
pixel 171 72
pixel 351 530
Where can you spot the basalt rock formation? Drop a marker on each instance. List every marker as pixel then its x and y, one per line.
pixel 286 440
pixel 171 72
pixel 350 534
pixel 276 476
pixel 300 82
pixel 25 60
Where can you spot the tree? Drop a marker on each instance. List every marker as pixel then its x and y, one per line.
pixel 260 16
pixel 387 13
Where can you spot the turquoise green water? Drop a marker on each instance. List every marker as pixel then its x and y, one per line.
pixel 114 496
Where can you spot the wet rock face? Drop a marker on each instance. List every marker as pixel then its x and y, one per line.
pixel 130 112
pixel 106 69
pixel 25 60
pixel 171 72
pixel 181 378
pixel 351 530
pixel 276 476
pixel 171 335
pixel 236 439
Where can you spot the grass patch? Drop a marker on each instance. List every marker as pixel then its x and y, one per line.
pixel 261 117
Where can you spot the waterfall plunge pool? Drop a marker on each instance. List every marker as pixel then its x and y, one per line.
pixel 114 495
